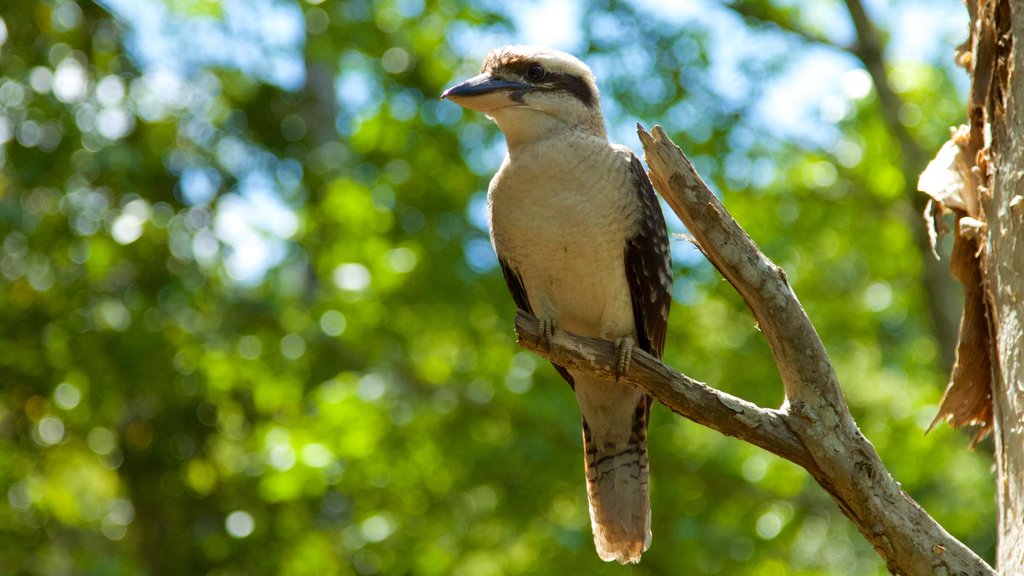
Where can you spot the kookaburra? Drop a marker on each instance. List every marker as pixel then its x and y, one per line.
pixel 583 247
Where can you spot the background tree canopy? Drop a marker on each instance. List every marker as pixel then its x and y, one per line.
pixel 250 321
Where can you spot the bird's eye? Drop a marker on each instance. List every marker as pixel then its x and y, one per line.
pixel 536 72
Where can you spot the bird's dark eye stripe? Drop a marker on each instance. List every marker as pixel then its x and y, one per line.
pixel 573 85
pixel 561 81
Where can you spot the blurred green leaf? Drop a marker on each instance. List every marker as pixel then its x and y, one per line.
pixel 250 326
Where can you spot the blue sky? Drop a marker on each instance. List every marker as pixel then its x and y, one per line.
pixel 920 30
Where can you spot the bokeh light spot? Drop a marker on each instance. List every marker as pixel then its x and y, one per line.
pixel 333 323
pixel 352 277
pixel 239 524
pixel 67 396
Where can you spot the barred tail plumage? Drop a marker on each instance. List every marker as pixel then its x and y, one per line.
pixel 617 480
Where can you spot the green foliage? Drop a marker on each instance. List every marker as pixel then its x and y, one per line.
pixel 360 406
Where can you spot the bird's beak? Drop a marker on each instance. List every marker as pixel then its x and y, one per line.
pixel 484 93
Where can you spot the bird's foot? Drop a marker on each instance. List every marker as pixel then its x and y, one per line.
pixel 547 328
pixel 624 350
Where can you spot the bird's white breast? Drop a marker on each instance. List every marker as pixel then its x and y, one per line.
pixel 561 214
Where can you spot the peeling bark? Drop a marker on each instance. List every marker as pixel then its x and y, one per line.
pixel 953 181
pixel 991 259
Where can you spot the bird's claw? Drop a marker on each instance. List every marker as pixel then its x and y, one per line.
pixel 547 328
pixel 624 350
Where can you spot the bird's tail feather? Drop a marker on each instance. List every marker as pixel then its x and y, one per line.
pixel 620 511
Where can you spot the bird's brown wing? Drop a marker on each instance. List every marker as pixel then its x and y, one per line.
pixel 649 266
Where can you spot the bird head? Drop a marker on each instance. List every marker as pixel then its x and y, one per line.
pixel 532 92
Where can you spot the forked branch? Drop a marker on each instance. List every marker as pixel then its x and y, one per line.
pixel 687 397
pixel 814 429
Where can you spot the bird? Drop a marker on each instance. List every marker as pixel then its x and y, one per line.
pixel 583 247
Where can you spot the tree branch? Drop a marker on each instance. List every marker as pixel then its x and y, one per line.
pixel 942 302
pixel 799 354
pixel 766 15
pixel 814 429
pixel 685 396
pixel 870 50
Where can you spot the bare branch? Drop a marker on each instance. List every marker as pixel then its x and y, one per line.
pixel 909 540
pixel 685 396
pixel 942 303
pixel 803 363
pixel 870 50
pixel 814 429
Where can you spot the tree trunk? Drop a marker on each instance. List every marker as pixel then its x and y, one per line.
pixel 978 175
pixel 1003 273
